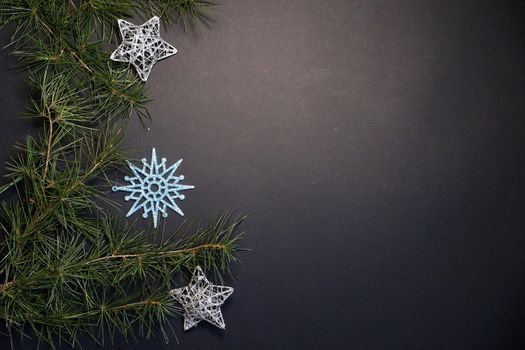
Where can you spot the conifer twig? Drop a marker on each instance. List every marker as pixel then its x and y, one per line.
pixel 68 268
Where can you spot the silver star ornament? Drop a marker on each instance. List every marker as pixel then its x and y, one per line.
pixel 202 300
pixel 142 46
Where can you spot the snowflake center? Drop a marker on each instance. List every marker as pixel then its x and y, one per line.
pixel 155 187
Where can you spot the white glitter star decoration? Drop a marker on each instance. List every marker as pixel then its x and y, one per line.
pixel 142 46
pixel 202 300
pixel 154 188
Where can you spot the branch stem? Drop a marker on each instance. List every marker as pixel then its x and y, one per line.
pixel 192 250
pixel 49 145
pixel 116 308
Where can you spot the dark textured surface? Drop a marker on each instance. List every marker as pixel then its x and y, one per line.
pixel 377 148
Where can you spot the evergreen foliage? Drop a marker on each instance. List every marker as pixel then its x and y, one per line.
pixel 68 267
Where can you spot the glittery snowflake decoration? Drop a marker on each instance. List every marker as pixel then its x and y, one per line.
pixel 142 46
pixel 202 300
pixel 154 188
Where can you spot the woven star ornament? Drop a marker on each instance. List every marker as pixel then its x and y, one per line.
pixel 202 300
pixel 142 46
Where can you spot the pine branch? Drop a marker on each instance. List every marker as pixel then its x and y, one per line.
pixel 193 251
pixel 69 268
pixel 54 281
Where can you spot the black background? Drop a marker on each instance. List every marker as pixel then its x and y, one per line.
pixel 377 147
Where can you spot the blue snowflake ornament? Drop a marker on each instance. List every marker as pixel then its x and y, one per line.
pixel 154 188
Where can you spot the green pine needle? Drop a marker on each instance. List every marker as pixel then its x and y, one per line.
pixel 68 268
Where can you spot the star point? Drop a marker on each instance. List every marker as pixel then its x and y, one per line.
pixel 142 46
